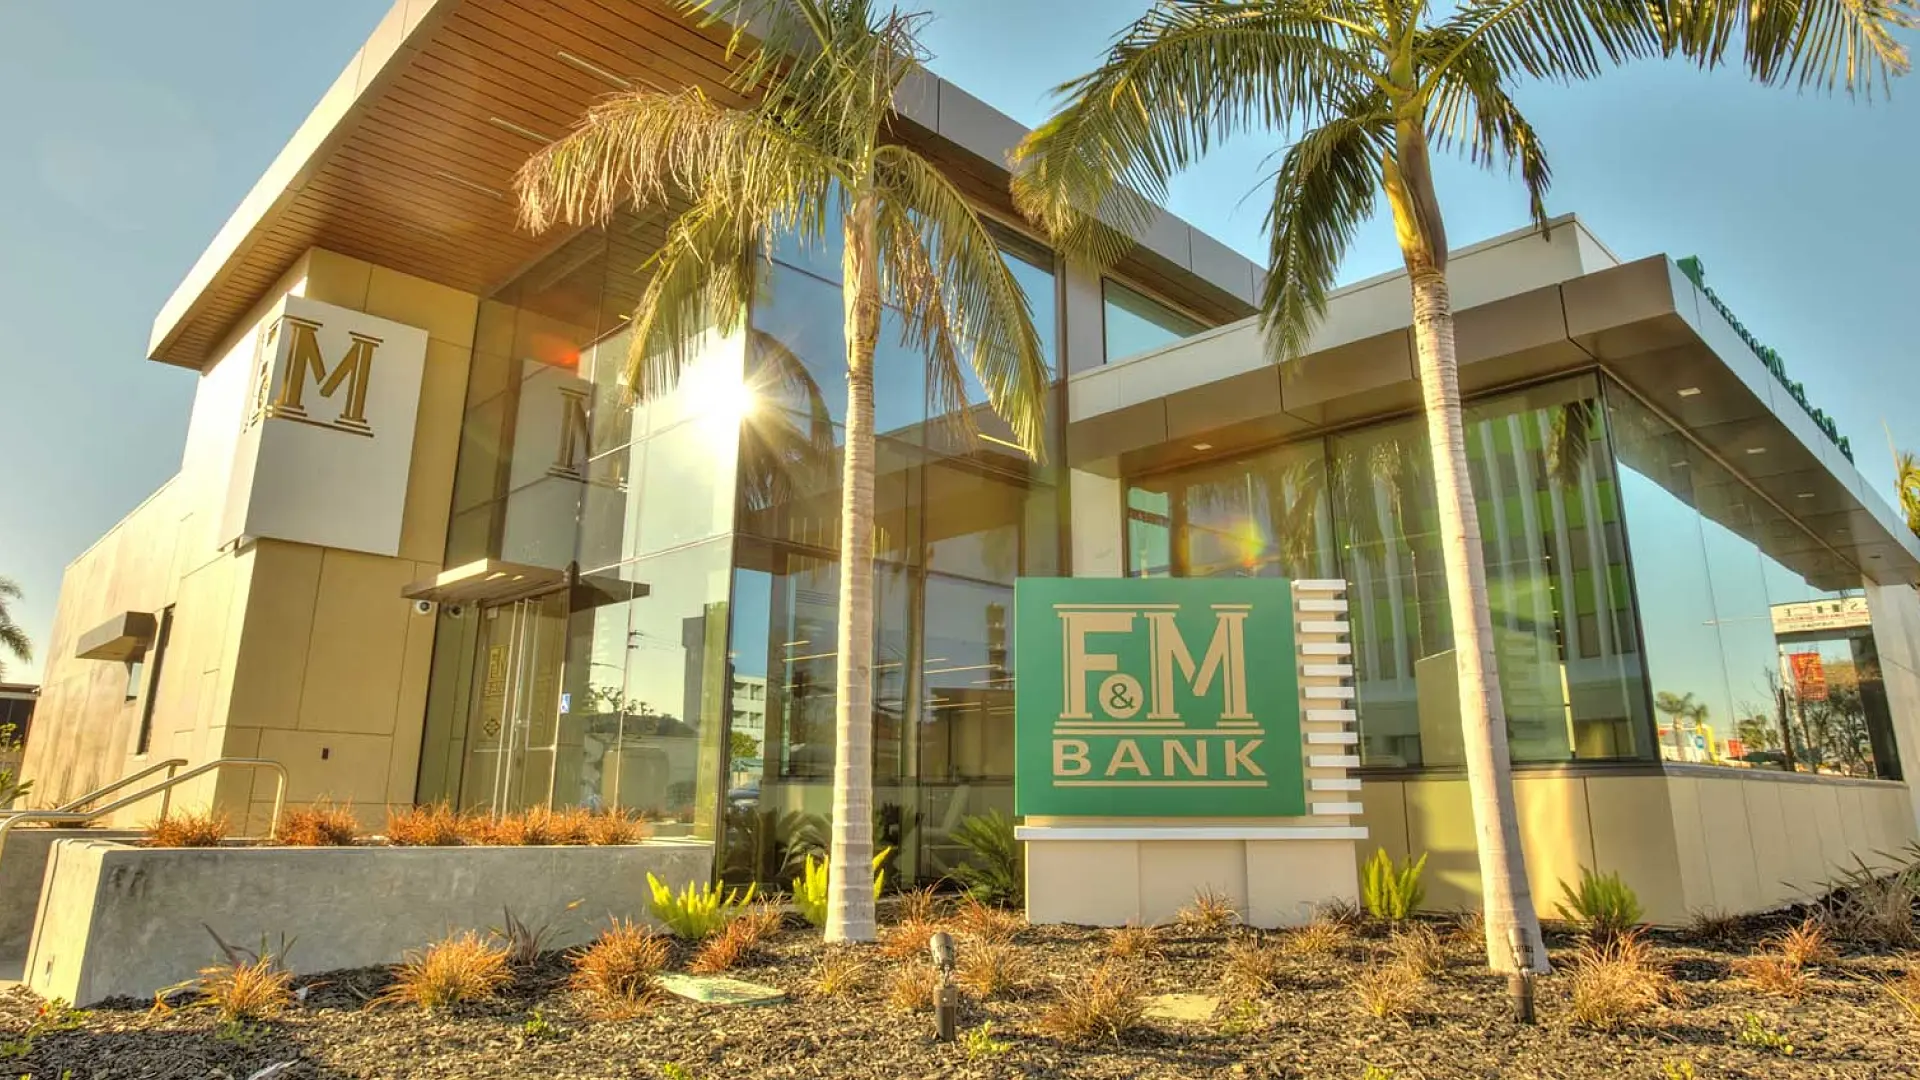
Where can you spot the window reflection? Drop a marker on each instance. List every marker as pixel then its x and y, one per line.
pixel 1137 323
pixel 1361 506
pixel 1760 646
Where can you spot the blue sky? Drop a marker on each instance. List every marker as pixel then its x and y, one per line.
pixel 135 127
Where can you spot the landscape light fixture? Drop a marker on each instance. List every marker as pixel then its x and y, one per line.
pixel 946 997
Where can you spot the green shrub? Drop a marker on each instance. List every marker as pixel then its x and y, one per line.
pixel 810 888
pixel 1390 892
pixel 995 874
pixel 697 911
pixel 1604 905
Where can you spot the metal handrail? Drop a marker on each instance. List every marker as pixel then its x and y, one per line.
pixel 68 808
pixel 83 817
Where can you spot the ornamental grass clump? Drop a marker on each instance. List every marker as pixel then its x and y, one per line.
pixel 321 825
pixel 424 826
pixel 1418 948
pixel 1105 1003
pixel 984 922
pixel 245 992
pixel 453 971
pixel 1210 912
pixel 1131 942
pixel 837 973
pixel 908 939
pixel 1392 989
pixel 1321 939
pixel 991 969
pixel 911 987
pixel 1254 967
pixel 615 974
pixel 738 942
pixel 1616 980
pixel 191 829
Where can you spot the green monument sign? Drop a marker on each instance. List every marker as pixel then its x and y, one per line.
pixel 1156 698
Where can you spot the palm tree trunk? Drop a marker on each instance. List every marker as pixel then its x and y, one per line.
pixel 1513 929
pixel 850 873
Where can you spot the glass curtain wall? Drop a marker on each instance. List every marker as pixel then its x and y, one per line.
pixel 630 505
pixel 1360 505
pixel 1759 642
pixel 955 523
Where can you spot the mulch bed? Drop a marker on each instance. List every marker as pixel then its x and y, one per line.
pixel 1846 1026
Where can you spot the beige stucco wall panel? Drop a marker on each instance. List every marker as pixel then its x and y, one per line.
pixel 1092 882
pixel 1173 872
pixel 333 278
pixel 1440 823
pixel 1555 832
pixel 1690 841
pixel 279 626
pixel 1289 880
pixel 1632 828
pixel 1833 832
pixel 436 447
pixel 1723 822
pixel 446 314
pixel 1383 813
pixel 358 646
pixel 329 764
pixel 1775 861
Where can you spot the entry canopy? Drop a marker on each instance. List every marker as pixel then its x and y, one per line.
pixel 494 581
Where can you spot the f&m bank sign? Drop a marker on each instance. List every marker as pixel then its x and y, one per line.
pixel 1156 698
pixel 325 433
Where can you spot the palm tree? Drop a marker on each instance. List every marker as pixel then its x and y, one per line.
pixel 1374 87
pixel 816 153
pixel 12 637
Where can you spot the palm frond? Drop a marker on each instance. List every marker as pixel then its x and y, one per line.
pixel 1907 482
pixel 1547 39
pixel 1471 111
pixel 14 640
pixel 10 588
pixel 1323 191
pixel 1811 44
pixel 958 297
pixel 703 280
pixel 646 147
pixel 1185 76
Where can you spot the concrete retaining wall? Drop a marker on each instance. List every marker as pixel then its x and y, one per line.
pixel 23 867
pixel 120 921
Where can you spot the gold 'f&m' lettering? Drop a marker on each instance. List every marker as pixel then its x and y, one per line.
pixel 303 356
pixel 1226 659
pixel 1074 628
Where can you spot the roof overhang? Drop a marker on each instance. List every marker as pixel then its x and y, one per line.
pixel 408 160
pixel 1644 323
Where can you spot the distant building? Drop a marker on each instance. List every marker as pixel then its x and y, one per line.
pixel 16 707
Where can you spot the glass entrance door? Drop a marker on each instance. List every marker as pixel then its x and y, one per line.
pixel 512 722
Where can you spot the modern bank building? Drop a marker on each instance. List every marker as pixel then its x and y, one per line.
pixel 424 546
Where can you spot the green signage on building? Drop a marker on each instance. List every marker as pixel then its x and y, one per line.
pixel 1156 698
